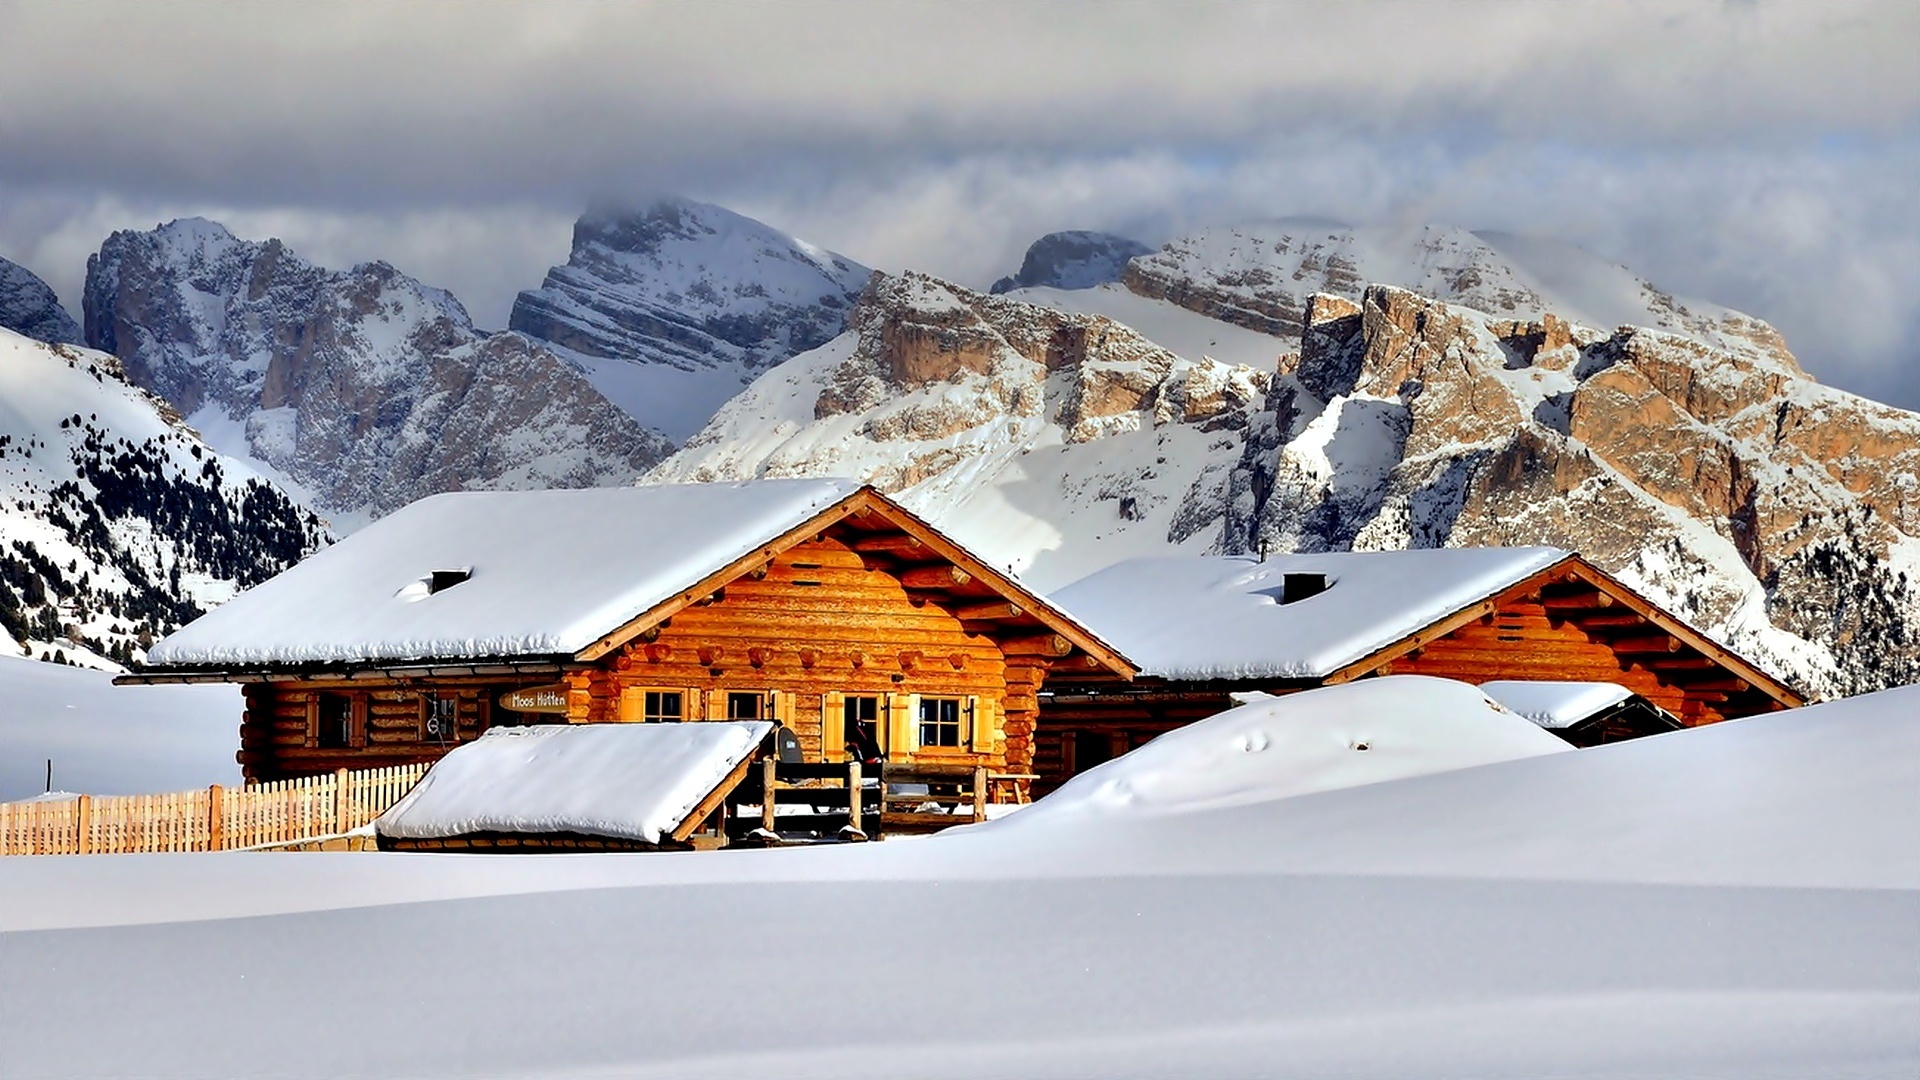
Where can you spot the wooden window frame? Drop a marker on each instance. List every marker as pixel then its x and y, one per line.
pixel 356 719
pixel 965 709
pixel 769 703
pixel 638 713
pixel 428 700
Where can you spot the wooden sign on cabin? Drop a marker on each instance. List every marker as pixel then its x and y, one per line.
pixel 551 698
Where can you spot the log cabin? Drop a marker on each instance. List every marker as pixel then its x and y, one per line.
pixel 1202 628
pixel 820 605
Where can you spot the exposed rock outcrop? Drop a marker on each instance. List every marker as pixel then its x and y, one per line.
pixel 1076 259
pixel 1774 513
pixel 363 386
pixel 28 306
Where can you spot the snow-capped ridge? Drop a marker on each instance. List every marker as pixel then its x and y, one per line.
pixel 672 307
pixel 343 382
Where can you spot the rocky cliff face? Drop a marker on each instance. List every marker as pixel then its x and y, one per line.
pixel 117 523
pixel 1073 260
pixel 29 307
pixel 1054 441
pixel 672 309
pixel 1776 514
pixel 363 387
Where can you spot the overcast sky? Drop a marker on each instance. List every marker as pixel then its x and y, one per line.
pixel 1765 155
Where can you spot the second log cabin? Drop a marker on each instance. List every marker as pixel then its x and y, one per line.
pixel 1203 628
pixel 820 605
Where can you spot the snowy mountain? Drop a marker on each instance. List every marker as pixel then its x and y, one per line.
pixel 671 310
pixel 117 523
pixel 28 306
pixel 1775 513
pixel 1260 276
pixel 362 388
pixel 1076 259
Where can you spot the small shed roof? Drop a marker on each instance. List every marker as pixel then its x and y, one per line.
pixel 547 573
pixel 1556 705
pixel 1232 618
pixel 630 781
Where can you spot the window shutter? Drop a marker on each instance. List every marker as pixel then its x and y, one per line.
pixel 358 736
pixel 690 704
pixel 313 719
pixel 983 724
pixel 783 706
pixel 633 704
pixel 902 725
pixel 833 725
pixel 426 710
pixel 717 704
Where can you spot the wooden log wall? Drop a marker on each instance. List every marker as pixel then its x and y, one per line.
pixel 819 621
pixel 1524 640
pixel 278 738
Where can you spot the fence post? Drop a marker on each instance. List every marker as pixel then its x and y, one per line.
pixel 216 818
pixel 341 803
pixel 980 793
pixel 83 817
pixel 853 794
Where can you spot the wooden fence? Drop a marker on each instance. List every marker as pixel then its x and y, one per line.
pixel 213 819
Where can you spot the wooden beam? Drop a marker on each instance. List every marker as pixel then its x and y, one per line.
pixel 999 609
pixel 1579 601
pixel 892 544
pixel 1652 643
pixel 934 577
pixel 715 798
pixel 1041 645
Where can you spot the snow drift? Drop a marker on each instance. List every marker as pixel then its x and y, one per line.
pixel 1335 737
pixel 1740 901
pixel 111 740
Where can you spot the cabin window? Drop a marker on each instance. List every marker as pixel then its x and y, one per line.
pixel 336 722
pixel 943 722
pixel 860 717
pixel 440 719
pixel 663 706
pixel 747 705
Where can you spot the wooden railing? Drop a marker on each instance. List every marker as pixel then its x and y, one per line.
pixel 210 819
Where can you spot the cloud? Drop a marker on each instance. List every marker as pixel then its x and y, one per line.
pixel 1756 154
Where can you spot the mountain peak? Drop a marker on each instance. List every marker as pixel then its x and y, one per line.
pixel 1073 259
pixel 672 308
pixel 28 306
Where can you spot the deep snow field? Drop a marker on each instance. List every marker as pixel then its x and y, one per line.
pixel 111 740
pixel 1737 901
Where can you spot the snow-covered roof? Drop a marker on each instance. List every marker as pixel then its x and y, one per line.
pixel 1556 705
pixel 549 572
pixel 632 781
pixel 1221 617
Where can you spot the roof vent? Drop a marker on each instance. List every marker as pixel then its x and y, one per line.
pixel 1297 587
pixel 447 579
